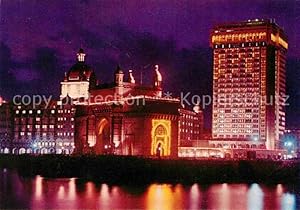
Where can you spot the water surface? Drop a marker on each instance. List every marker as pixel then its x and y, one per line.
pixel 41 193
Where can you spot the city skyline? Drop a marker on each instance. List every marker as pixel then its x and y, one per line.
pixel 183 54
pixel 160 104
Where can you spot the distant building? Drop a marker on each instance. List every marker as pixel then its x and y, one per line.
pixel 249 61
pixel 6 126
pixel 291 141
pixel 190 126
pixel 43 130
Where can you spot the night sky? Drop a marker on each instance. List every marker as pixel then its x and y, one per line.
pixel 39 41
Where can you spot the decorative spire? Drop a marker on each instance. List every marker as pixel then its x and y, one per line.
pixel 80 55
pixel 131 78
pixel 66 76
pixel 158 77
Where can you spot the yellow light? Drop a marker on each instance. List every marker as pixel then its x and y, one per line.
pixel 161 137
pixel 238 37
pixel 163 197
pixel 103 122
pixel 277 39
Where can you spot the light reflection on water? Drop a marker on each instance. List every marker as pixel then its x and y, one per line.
pixel 42 193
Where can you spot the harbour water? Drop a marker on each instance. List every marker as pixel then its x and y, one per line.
pixel 70 193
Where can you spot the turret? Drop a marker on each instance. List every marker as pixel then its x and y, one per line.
pixel 119 76
pixel 80 55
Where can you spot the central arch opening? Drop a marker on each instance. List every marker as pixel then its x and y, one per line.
pixel 103 143
pixel 161 141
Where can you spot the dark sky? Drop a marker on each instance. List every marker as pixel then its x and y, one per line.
pixel 39 40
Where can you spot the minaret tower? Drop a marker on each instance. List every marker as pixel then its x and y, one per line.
pixel 119 80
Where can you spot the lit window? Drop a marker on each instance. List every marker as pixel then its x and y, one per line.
pixel 39 111
pixel 44 134
pixel 51 126
pixel 24 112
pixel 37 126
pixel 17 112
pixel 30 111
pixel 28 134
pixel 52 111
pixel 37 119
pixel 72 119
pixel 44 126
pixel 22 133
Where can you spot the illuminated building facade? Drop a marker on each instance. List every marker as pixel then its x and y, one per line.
pixel 249 83
pixel 43 129
pixel 190 126
pixel 125 118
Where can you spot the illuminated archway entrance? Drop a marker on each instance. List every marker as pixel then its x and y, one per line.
pixel 103 144
pixel 161 138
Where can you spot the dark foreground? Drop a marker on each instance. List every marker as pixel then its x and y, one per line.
pixel 135 170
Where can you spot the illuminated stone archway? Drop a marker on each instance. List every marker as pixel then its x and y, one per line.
pixel 103 143
pixel 6 151
pixel 22 151
pixel 161 138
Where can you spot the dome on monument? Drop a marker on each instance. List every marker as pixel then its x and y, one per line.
pixel 80 71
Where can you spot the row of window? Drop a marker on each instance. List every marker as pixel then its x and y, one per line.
pixel 64 111
pixel 22 133
pixel 42 126
pixel 223 47
pixel 186 131
pixel 65 134
pixel 53 144
pixel 64 119
pixel 236 131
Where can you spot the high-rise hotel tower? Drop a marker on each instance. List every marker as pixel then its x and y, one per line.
pixel 249 61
